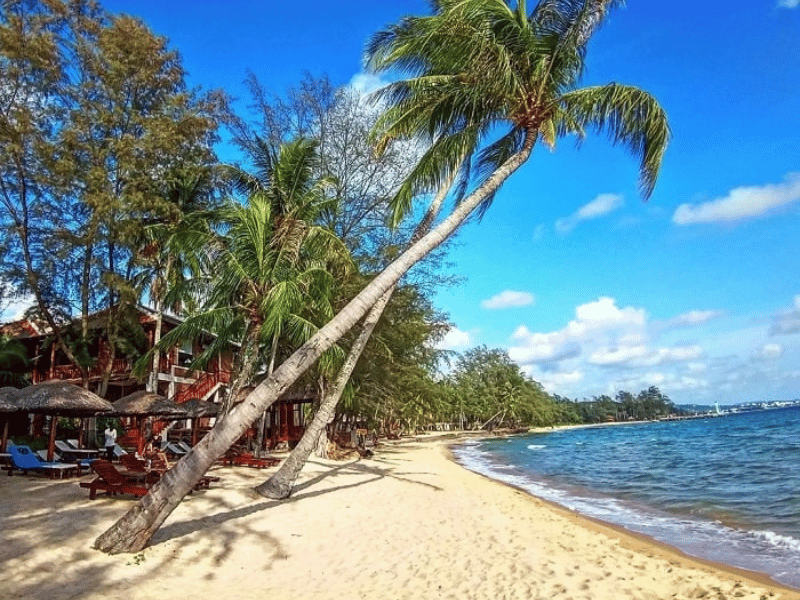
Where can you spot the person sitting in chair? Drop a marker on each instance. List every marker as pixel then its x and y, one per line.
pixel 154 456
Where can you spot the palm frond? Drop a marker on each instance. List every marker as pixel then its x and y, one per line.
pixel 631 118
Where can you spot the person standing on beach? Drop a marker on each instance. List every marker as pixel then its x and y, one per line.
pixel 111 440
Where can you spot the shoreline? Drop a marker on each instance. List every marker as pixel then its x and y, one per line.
pixel 407 523
pixel 638 541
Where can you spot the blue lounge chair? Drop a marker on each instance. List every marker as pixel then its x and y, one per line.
pixel 81 463
pixel 26 460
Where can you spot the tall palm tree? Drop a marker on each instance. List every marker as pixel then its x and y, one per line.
pixel 172 249
pixel 281 483
pixel 441 102
pixel 475 66
pixel 271 277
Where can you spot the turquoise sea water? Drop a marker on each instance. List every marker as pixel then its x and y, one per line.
pixel 725 488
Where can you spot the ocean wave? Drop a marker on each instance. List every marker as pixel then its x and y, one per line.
pixel 779 541
pixel 536 446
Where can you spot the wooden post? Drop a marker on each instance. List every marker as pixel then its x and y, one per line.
pixel 51 446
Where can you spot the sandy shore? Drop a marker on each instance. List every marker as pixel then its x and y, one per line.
pixel 408 523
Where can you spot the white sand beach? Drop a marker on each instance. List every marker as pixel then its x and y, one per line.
pixel 408 523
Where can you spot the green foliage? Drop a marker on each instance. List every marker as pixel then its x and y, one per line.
pixel 14 363
pixel 647 405
pixel 489 390
pixel 394 382
pixel 95 118
pixel 274 266
pixel 479 69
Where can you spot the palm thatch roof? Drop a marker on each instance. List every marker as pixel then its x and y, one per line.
pixel 60 398
pixel 144 403
pixel 196 408
pixel 7 399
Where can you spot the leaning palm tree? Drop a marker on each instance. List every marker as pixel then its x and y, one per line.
pixel 281 483
pixel 442 95
pixel 477 67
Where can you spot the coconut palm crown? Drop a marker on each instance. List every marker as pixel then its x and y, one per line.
pixel 272 266
pixel 479 67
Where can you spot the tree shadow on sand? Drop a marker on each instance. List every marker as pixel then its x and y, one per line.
pixel 179 529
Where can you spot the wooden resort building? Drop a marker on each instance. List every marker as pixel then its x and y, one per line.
pixel 174 380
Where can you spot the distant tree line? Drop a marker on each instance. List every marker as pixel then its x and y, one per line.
pixel 484 389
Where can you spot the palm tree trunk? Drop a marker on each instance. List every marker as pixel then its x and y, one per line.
pixel 243 370
pixel 152 380
pixel 281 483
pixel 134 530
pixel 262 423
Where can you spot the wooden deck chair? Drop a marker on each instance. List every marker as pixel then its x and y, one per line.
pixel 111 481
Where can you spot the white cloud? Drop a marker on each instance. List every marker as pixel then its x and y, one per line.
pixel 593 321
pixel 508 299
pixel 556 382
pixel 602 315
pixel 15 309
pixel 693 318
pixel 788 3
pixel 602 205
pixel 769 351
pixel 366 83
pixel 618 356
pixel 697 367
pixel 455 338
pixel 641 356
pixel 741 203
pixel 684 383
pixel 787 321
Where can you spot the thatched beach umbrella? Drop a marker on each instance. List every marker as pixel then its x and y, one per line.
pixel 7 405
pixel 60 398
pixel 146 404
pixel 197 409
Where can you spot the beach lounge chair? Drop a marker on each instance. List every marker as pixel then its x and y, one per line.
pixel 153 474
pixel 26 460
pixel 74 444
pixel 184 446
pixel 133 463
pixel 80 463
pixel 111 481
pixel 119 451
pixel 174 449
pixel 62 446
pixel 245 459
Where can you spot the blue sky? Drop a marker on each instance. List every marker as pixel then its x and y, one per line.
pixel 590 289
